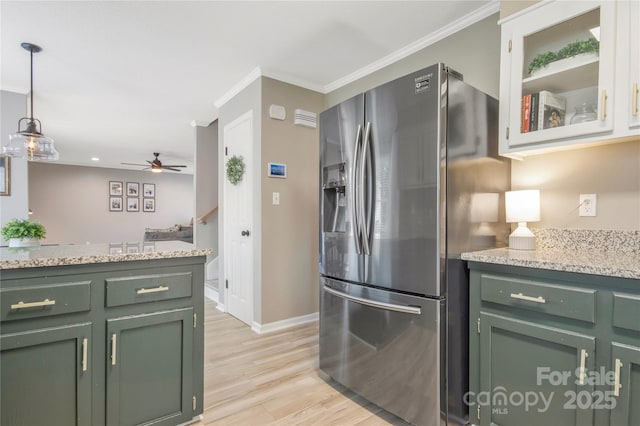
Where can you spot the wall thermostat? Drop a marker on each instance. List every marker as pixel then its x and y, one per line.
pixel 277 170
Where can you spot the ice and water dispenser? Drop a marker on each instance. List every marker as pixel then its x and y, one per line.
pixel 334 182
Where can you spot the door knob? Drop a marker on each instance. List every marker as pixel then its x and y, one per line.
pixel 245 233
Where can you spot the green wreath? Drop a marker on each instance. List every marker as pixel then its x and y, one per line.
pixel 235 169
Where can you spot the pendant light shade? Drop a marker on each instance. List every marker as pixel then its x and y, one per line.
pixel 29 142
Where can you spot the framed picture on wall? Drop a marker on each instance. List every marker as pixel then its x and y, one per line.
pixel 115 204
pixel 115 188
pixel 148 204
pixel 133 189
pixel 148 190
pixel 133 204
pixel 5 175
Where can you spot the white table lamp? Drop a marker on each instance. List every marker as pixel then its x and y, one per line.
pixel 522 207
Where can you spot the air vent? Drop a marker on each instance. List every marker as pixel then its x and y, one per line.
pixel 305 118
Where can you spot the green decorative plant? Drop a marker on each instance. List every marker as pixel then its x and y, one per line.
pixel 235 169
pixel 16 228
pixel 570 50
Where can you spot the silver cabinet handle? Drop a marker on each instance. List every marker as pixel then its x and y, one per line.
pixel 152 290
pixel 85 344
pixel 382 305
pixel 616 384
pixel 583 371
pixel 113 349
pixel 634 100
pixel 354 209
pixel 521 296
pixel 22 305
pixel 603 109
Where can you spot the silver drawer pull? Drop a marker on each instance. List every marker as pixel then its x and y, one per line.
pixel 521 296
pixel 583 370
pixel 22 305
pixel 152 290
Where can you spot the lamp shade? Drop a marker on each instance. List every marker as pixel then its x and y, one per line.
pixel 523 206
pixel 484 207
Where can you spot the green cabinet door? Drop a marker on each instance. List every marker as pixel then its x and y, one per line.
pixel 46 377
pixel 149 368
pixel 626 363
pixel 530 374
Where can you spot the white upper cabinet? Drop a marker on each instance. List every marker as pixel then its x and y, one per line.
pixel 632 33
pixel 560 81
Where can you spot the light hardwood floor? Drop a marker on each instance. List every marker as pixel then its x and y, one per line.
pixel 273 379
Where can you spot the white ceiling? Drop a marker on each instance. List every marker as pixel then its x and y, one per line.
pixel 120 80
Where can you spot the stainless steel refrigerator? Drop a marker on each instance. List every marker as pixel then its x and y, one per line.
pixel 400 167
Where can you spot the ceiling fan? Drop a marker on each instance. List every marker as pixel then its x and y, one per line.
pixel 156 165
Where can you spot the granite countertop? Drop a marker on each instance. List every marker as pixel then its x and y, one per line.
pixel 614 253
pixel 33 257
pixel 608 263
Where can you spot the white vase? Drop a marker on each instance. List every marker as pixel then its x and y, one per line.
pixel 24 242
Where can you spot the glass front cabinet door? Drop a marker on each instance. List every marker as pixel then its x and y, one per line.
pixel 557 76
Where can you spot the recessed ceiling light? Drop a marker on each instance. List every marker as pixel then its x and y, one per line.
pixel 95 159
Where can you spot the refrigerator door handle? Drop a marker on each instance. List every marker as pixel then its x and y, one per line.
pixel 381 305
pixel 352 185
pixel 363 208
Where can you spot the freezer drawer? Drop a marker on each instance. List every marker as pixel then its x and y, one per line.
pixel 384 346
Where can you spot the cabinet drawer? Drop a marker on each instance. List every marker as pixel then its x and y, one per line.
pixel 625 311
pixel 147 288
pixel 568 302
pixel 44 300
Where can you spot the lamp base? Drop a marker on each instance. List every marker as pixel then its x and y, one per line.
pixel 522 238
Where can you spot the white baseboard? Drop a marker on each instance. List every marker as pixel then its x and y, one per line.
pixel 220 307
pixel 281 325
pixel 211 294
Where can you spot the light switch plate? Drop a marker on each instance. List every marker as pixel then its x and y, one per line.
pixel 276 198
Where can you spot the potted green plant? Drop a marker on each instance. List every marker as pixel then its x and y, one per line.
pixel 23 233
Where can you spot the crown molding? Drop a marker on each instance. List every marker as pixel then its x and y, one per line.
pixel 477 15
pixel 196 123
pixel 238 87
pixel 285 78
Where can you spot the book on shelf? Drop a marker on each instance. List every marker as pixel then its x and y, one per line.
pixel 533 121
pixel 526 114
pixel 551 110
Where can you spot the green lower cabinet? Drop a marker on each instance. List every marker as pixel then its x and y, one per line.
pixel 626 368
pixel 149 368
pixel 46 377
pixel 531 374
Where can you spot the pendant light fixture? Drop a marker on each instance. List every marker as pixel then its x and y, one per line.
pixel 29 142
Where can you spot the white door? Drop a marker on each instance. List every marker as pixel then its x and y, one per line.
pixel 238 221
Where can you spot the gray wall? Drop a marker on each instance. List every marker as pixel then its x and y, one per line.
pixel 248 99
pixel 290 273
pixel 206 186
pixel 72 202
pixel 13 106
pixel 473 51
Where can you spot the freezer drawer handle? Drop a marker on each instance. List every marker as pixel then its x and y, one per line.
pixel 382 305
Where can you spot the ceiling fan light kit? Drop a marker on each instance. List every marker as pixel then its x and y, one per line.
pixel 29 142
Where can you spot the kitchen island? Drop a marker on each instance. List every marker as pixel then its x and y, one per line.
pixel 558 326
pixel 102 334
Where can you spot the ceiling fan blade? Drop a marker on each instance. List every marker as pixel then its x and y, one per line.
pixel 133 164
pixel 171 165
pixel 171 168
